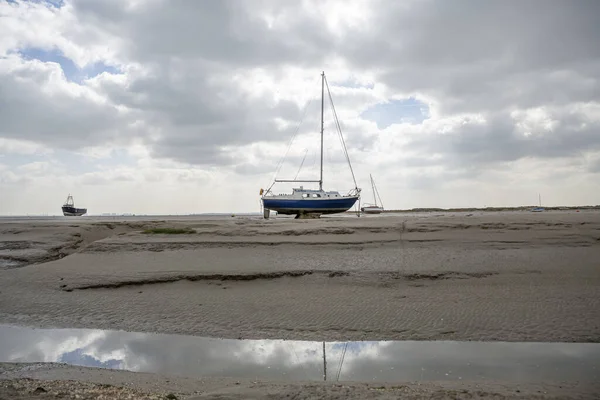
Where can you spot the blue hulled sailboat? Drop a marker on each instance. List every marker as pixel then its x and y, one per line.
pixel 304 202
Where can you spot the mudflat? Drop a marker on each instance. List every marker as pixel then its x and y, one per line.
pixel 509 276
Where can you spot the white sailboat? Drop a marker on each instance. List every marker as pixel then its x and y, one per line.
pixel 540 208
pixel 373 208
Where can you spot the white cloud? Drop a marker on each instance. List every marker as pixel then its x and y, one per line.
pixel 15 146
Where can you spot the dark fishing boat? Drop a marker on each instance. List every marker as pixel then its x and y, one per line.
pixel 69 209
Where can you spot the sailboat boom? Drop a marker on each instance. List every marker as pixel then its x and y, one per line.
pixel 297 180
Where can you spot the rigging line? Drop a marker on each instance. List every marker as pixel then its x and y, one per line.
pixel 377 193
pixel 379 197
pixel 340 137
pixel 301 164
pixel 280 164
pixel 345 155
pixel 338 129
pixel 337 378
pixel 298 359
pixel 338 126
pixel 340 133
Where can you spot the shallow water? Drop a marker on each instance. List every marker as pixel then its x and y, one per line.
pixel 8 264
pixel 385 361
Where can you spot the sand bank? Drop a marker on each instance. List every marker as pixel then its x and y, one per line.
pixel 512 276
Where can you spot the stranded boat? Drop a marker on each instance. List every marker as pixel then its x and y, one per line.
pixel 373 208
pixel 69 209
pixel 306 202
pixel 540 208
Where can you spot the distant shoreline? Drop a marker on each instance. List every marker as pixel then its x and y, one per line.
pixel 247 214
pixel 520 208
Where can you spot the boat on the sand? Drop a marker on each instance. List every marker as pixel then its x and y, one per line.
pixel 312 202
pixel 373 208
pixel 69 209
pixel 540 208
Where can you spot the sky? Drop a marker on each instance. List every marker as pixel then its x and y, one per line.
pixel 176 107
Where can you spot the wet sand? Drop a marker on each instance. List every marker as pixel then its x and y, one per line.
pixel 56 381
pixel 513 276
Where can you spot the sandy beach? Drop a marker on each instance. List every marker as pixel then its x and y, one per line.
pixel 485 276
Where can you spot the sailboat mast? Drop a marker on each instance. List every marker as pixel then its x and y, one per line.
pixel 322 125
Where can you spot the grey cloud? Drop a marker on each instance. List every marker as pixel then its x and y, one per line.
pixel 27 111
pixel 253 169
pixel 477 55
pixel 99 178
pixel 498 141
pixel 202 144
pixel 197 117
pixel 359 140
pixel 186 148
pixel 225 31
pixel 594 166
pixel 426 181
pixel 182 45
pixel 471 56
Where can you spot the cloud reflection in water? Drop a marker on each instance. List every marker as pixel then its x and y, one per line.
pixel 387 361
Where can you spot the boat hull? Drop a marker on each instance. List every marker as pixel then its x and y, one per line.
pixel 309 206
pixel 73 212
pixel 372 210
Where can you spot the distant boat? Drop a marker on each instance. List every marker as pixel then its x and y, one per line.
pixel 304 202
pixel 373 208
pixel 69 209
pixel 540 208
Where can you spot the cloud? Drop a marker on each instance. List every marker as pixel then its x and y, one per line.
pixel 15 146
pixel 543 133
pixel 430 94
pixel 39 105
pixel 475 56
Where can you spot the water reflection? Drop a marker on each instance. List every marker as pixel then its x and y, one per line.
pixel 9 264
pixel 301 360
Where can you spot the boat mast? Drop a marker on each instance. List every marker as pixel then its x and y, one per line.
pixel 322 125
